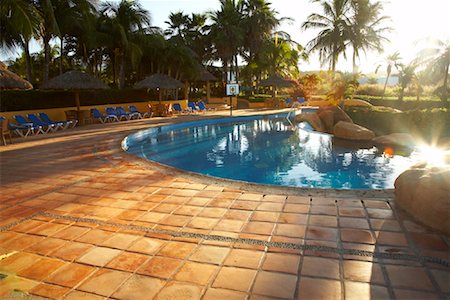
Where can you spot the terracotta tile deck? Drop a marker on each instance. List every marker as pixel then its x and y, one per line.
pixel 81 219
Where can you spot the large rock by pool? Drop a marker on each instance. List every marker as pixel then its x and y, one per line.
pixel 424 192
pixel 351 131
pixel 395 139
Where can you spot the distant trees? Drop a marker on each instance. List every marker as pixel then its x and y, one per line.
pixel 344 23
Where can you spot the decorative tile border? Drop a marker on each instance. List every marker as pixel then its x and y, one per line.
pixel 248 241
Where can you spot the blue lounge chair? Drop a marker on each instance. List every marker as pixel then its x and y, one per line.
pixel 96 114
pixel 62 124
pixel 192 107
pixel 288 102
pixel 177 108
pixel 47 127
pixel 120 112
pixel 24 123
pixel 203 107
pixel 112 112
pixel 140 115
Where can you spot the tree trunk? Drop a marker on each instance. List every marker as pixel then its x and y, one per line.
pixel 122 71
pixel 385 84
pixel 29 65
pixel 61 45
pixel 46 57
pixel 355 68
pixel 445 85
pixel 236 68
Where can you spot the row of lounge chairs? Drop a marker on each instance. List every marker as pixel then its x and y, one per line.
pixel 193 107
pixel 36 124
pixel 119 114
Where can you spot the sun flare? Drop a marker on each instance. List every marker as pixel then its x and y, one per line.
pixel 433 155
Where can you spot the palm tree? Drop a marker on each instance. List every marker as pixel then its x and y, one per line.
pixel 437 61
pixel 366 28
pixel 226 32
pixel 406 75
pixel 19 22
pixel 49 29
pixel 123 21
pixel 390 62
pixel 259 22
pixel 335 30
pixel 178 25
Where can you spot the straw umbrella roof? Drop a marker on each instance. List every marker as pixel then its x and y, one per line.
pixel 276 81
pixel 161 81
pixel 12 81
pixel 75 80
pixel 205 75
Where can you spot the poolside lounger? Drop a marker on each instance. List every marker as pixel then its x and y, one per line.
pixel 112 112
pixel 63 124
pixel 22 130
pixel 120 111
pixel 96 114
pixel 177 108
pixel 193 107
pixel 23 123
pixel 140 115
pixel 36 121
pixel 203 107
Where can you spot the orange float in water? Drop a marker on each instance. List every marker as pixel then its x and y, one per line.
pixel 388 152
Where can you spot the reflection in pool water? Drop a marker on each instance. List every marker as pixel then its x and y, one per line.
pixel 268 151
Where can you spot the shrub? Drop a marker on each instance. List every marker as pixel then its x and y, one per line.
pixel 428 124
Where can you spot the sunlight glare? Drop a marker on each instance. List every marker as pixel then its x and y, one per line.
pixel 433 155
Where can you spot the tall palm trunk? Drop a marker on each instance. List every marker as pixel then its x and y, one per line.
pixel 46 57
pixel 61 45
pixel 445 85
pixel 355 68
pixel 386 81
pixel 29 65
pixel 122 71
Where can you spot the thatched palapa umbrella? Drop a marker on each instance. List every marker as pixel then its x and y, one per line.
pixel 75 81
pixel 12 81
pixel 206 76
pixel 276 81
pixel 159 81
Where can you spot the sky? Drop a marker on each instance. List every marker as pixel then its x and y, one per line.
pixel 412 20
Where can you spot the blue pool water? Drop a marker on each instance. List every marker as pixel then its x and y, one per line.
pixel 267 150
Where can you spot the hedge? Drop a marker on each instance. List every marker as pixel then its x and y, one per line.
pixel 35 99
pixel 405 105
pixel 428 124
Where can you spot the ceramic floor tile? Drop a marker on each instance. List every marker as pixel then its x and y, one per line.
pixel 313 288
pixel 139 287
pixel 177 249
pixel 173 290
pixel 146 246
pixel 281 263
pixel 214 294
pixel 320 267
pixel 244 258
pixel 104 282
pixel 50 291
pixel 71 275
pixel 98 256
pixel 127 261
pixel 196 273
pixel 409 277
pixel 210 254
pixel 235 279
pixel 158 266
pixel 41 269
pixel 276 285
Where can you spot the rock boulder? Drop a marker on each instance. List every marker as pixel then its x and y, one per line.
pixel 423 191
pixel 350 131
pixel 395 139
pixel 327 117
pixel 313 119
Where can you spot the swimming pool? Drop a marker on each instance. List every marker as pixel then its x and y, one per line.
pixel 265 149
